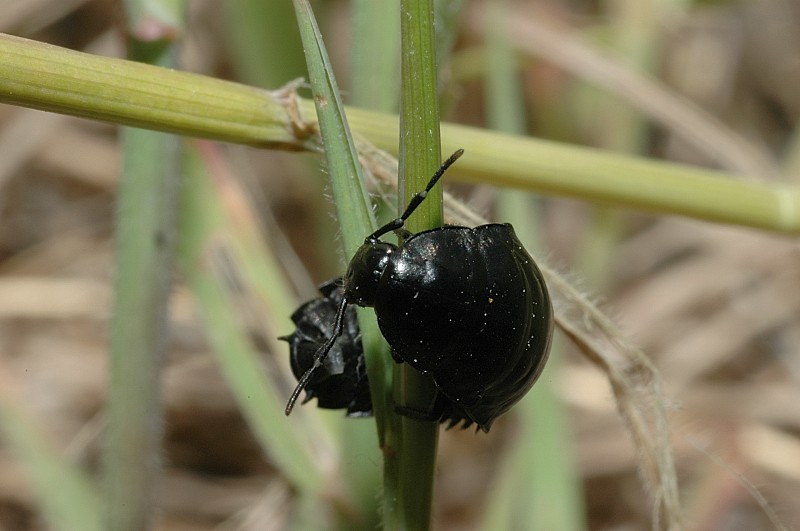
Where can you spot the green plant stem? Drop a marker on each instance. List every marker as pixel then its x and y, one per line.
pixel 356 220
pixel 145 242
pixel 46 77
pixel 420 156
pixel 50 78
pixel 145 239
pixel 349 192
pixel 353 206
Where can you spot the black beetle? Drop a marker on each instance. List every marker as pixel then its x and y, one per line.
pixel 342 380
pixel 467 305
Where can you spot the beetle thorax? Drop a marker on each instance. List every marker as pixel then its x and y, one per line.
pixel 365 270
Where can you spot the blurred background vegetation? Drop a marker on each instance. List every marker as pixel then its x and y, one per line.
pixel 715 307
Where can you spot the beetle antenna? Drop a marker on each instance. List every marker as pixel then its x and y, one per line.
pixel 418 198
pixel 320 356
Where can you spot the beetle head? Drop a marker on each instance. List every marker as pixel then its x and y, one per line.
pixel 365 270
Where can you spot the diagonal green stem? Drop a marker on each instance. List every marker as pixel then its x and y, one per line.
pixel 355 215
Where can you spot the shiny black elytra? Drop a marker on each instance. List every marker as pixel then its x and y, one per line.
pixel 467 305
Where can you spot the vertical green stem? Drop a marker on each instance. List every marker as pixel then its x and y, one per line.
pixel 146 220
pixel 420 156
